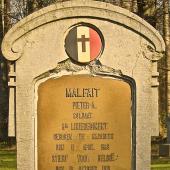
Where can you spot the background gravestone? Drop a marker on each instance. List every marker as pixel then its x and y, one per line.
pixel 127 54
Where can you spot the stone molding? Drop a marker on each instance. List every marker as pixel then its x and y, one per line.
pixel 78 9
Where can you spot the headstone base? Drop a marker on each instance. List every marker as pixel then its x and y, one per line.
pixel 164 150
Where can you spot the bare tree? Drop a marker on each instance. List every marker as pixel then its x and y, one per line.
pixel 7 16
pixel 166 35
pixel 3 77
pixel 147 10
pixel 134 6
pixel 127 4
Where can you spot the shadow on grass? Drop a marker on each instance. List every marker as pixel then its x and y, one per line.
pixel 8 160
pixel 160 163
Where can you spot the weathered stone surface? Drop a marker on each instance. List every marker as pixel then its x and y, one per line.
pixel 36 44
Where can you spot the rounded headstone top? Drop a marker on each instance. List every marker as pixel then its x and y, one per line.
pixel 78 9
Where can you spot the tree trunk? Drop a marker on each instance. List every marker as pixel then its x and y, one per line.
pixel 166 32
pixel 140 4
pixel 134 6
pixel 7 18
pixel 32 6
pixel 3 79
pixel 147 10
pixel 127 4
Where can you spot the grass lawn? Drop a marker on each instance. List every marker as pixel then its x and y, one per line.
pixel 160 164
pixel 7 160
pixel 160 167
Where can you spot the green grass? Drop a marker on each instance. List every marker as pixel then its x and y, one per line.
pixel 160 167
pixel 160 164
pixel 7 160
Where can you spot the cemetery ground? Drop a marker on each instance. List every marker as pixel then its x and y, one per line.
pixel 8 160
pixel 7 157
pixel 160 164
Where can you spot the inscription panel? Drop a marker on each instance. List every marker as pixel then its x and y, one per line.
pixel 84 123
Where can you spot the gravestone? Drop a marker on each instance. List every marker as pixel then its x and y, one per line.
pixel 164 149
pixel 83 87
pixel 168 130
